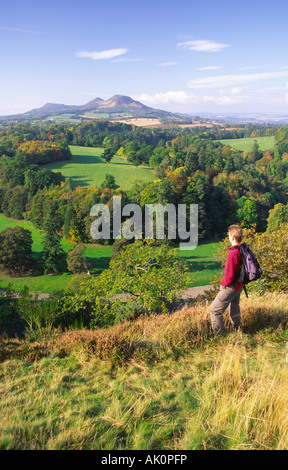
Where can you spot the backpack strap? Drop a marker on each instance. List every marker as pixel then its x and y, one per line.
pixel 245 290
pixel 235 248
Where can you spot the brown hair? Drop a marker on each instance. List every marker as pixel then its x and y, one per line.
pixel 236 232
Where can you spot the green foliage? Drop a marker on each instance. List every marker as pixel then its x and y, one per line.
pixel 76 260
pixel 247 212
pixel 10 321
pixel 109 182
pixel 52 249
pixel 14 202
pixel 149 276
pixel 277 217
pixel 15 250
pixel 108 154
pixel 40 316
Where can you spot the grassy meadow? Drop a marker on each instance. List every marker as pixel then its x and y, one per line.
pixel 87 168
pixel 246 144
pixel 157 383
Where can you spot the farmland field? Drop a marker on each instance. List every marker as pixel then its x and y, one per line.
pixel 246 144
pixel 87 168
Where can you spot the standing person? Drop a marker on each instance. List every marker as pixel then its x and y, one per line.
pixel 230 289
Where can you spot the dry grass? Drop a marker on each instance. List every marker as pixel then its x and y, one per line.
pixel 159 382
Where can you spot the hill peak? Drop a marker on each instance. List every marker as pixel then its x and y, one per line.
pixel 122 100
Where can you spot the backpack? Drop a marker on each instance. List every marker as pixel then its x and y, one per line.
pixel 250 269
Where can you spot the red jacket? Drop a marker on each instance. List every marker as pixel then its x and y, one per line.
pixel 233 263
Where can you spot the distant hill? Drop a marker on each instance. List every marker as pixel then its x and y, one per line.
pixel 117 104
pixel 124 107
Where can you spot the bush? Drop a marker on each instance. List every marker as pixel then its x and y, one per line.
pixel 10 320
pixel 40 316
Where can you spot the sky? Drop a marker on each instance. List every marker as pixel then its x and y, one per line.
pixel 182 56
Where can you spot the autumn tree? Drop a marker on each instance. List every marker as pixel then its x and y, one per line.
pixel 76 260
pixel 277 217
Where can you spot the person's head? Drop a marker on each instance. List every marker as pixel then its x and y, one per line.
pixel 235 234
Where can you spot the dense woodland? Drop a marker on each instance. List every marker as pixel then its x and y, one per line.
pixel 190 167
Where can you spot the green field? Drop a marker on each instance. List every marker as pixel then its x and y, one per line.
pixel 88 169
pixel 202 265
pixel 99 257
pixel 246 144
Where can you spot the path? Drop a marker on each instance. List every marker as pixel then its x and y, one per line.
pixel 190 293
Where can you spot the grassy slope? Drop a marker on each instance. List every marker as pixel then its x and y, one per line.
pixel 246 144
pixel 87 169
pixel 177 389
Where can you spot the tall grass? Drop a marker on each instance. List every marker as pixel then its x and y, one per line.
pixel 160 382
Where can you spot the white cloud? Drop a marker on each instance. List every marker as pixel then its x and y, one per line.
pixel 223 100
pixel 126 60
pixel 19 30
pixel 178 97
pixel 231 80
pixel 212 67
pixel 107 54
pixel 203 45
pixel 167 64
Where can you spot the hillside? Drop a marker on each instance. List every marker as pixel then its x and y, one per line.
pixel 114 105
pixel 158 383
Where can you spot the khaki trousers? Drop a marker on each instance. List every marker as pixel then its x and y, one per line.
pixel 227 296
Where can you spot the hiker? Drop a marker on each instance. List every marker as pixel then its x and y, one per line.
pixel 230 289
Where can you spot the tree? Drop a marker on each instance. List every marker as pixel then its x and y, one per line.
pixel 15 250
pixel 255 151
pixel 109 182
pixel 53 251
pixel 14 202
pixel 277 217
pixel 76 260
pixel 150 276
pixel 247 212
pixel 108 155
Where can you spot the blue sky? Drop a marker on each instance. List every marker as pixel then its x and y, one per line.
pixel 183 56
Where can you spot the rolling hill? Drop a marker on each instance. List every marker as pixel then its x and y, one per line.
pixel 117 104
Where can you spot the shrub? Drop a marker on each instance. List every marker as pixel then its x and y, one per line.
pixel 40 316
pixel 10 320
